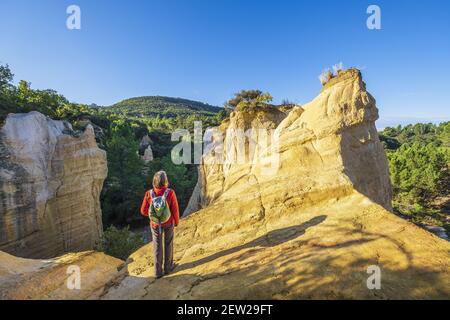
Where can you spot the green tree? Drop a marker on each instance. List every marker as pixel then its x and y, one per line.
pixel 388 142
pixel 119 243
pixel 248 98
pixel 418 172
pixel 444 134
pixel 124 188
pixel 221 115
pixel 7 92
pixel 6 76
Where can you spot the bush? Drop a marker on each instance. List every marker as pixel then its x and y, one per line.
pixel 119 243
pixel 419 173
pixel 248 98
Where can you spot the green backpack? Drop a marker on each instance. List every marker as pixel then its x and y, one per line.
pixel 159 211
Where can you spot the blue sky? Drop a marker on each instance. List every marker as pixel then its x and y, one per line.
pixel 208 49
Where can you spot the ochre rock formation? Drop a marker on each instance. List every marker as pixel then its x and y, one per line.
pixel 325 149
pixel 57 278
pixel 313 228
pixel 50 183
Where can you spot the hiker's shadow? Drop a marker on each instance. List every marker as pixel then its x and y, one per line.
pixel 270 239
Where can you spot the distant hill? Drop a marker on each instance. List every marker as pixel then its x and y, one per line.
pixel 163 106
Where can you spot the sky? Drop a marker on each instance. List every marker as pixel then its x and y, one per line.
pixel 207 50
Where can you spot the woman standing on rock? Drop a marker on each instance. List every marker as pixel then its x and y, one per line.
pixel 161 206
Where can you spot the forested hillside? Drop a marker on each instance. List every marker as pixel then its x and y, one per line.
pixel 166 113
pixel 119 131
pixel 419 159
pixel 167 106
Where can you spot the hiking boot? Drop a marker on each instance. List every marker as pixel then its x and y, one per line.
pixel 174 265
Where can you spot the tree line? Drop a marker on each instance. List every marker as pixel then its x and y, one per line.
pixel 119 133
pixel 419 159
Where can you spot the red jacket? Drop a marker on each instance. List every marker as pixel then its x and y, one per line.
pixel 171 201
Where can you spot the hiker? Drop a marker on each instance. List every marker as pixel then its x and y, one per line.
pixel 161 206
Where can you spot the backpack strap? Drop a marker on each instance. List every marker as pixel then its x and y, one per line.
pixel 166 192
pixel 152 194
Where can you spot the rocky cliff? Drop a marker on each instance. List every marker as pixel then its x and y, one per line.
pixel 326 149
pixel 50 182
pixel 306 215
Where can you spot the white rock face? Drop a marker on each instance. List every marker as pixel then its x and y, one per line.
pixel 146 152
pixel 148 155
pixel 50 182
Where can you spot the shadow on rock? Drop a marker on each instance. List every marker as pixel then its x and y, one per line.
pixel 271 239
